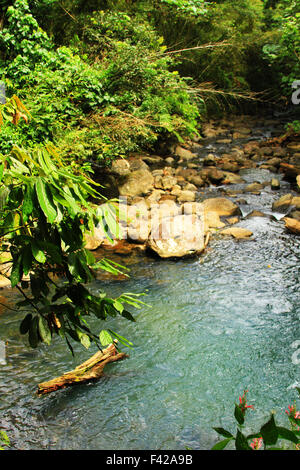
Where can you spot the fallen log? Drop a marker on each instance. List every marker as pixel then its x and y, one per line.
pixel 89 371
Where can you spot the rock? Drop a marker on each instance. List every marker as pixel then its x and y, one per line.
pixel 157 173
pixel 274 162
pixel 292 225
pixel 275 184
pixel 294 146
pixel 212 220
pixel 224 141
pixel 192 165
pixel 221 206
pixel 255 213
pixel 231 178
pixel 177 237
pixel 244 130
pixel 168 182
pixel 187 196
pixel 170 160
pixel 92 242
pixel 237 232
pixel 265 151
pixel 138 183
pixel 295 215
pixel 230 166
pixel 153 159
pixel 190 187
pixel 238 135
pixel 196 147
pixel 254 188
pixel 120 167
pixel 215 175
pixel 279 152
pixel 196 180
pixel 290 171
pixel 4 282
pixel 209 160
pixel 232 220
pixel 155 195
pixel 183 153
pixel 137 164
pixel 298 181
pixel 282 203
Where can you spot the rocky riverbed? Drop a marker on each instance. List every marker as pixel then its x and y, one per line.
pixel 174 202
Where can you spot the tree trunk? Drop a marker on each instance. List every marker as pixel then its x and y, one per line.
pixel 90 370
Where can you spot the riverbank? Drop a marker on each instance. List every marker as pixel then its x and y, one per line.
pixel 197 190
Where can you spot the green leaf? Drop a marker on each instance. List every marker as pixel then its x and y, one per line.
pixel 25 324
pixel 45 200
pixel 238 414
pixel 16 272
pixel 28 201
pixel 128 315
pixel 269 432
pixel 44 330
pixel 241 442
pixel 286 434
pixel 1 171
pixel 27 259
pixel 33 333
pixel 105 338
pixel 84 339
pixel 223 432
pixel 222 444
pixel 120 338
pixel 38 254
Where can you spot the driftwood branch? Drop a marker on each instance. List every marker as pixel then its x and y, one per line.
pixel 90 370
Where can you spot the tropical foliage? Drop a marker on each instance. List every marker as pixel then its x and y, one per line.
pixel 268 437
pixel 45 214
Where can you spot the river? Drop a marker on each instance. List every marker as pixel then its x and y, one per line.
pixel 218 324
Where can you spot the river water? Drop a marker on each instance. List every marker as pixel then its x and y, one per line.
pixel 218 324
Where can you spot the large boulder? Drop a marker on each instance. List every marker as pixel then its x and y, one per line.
pixel 138 183
pixel 184 154
pixel 178 236
pixel 221 206
pixel 292 225
pixel 120 167
pixel 285 202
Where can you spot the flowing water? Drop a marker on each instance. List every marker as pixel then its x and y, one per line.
pixel 218 324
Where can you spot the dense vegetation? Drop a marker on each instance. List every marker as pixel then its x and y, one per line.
pixel 105 78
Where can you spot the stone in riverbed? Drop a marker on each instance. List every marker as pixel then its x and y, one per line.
pixel 254 188
pixel 120 167
pixel 275 184
pixel 286 201
pixel 237 232
pixel 177 237
pixel 221 206
pixel 187 196
pixel 183 153
pixel 138 183
pixel 292 225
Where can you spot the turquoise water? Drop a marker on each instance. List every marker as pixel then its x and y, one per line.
pixel 218 324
